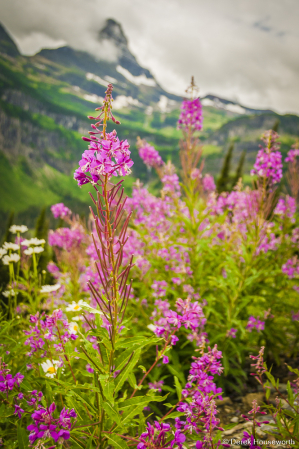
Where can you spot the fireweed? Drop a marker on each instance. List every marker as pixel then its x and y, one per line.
pixel 282 418
pixel 155 279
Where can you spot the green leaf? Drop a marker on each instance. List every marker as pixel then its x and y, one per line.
pixel 90 309
pixel 133 382
pixel 141 425
pixel 271 378
pixel 123 375
pixel 108 388
pixel 49 393
pixel 136 408
pixel 179 375
pixel 23 440
pixel 123 358
pixel 293 370
pixel 112 412
pixel 178 387
pixel 141 400
pixel 130 342
pixel 290 393
pixel 84 398
pixel 175 415
pixel 116 441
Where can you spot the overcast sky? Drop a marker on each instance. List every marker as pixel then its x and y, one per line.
pixel 244 50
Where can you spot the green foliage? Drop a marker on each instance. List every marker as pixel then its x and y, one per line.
pixel 224 178
pixel 239 171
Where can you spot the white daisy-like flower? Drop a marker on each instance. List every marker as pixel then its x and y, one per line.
pixel 2 252
pixel 12 258
pixel 7 293
pixel 74 327
pixel 9 245
pixel 28 251
pixel 50 367
pixel 38 249
pixel 31 250
pixel 15 228
pixel 151 327
pixel 76 306
pixel 50 288
pixel 33 241
pixel 6 260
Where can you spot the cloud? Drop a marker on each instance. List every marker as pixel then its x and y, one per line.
pixel 242 50
pixel 35 24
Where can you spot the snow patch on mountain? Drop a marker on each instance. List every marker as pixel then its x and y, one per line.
pixel 91 76
pixel 165 104
pixel 121 102
pixel 236 108
pixel 110 79
pixel 93 98
pixel 137 80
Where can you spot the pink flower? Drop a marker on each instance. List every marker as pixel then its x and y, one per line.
pixel 191 115
pixel 231 333
pixel 208 183
pixel 157 385
pixel 103 148
pixel 268 162
pixel 149 155
pixel 255 323
pixel 165 360
pixel 59 210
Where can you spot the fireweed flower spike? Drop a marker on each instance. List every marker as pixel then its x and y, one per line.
pixel 59 210
pixel 268 164
pixel 7 381
pixel 106 154
pixel 46 426
pixel 191 111
pixel 148 154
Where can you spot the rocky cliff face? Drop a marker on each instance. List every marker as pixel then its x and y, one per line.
pixel 38 145
pixel 114 33
pixel 7 45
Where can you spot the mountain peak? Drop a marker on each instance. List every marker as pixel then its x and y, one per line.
pixel 113 31
pixel 7 45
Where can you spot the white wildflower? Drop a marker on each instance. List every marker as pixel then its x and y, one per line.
pixel 73 328
pixel 38 249
pixel 31 250
pixel 28 251
pixel 2 252
pixel 50 288
pixel 33 241
pixel 151 327
pixel 15 228
pixel 76 306
pixel 12 258
pixel 50 367
pixel 8 293
pixel 9 245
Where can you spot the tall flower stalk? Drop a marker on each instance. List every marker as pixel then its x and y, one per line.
pixel 110 226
